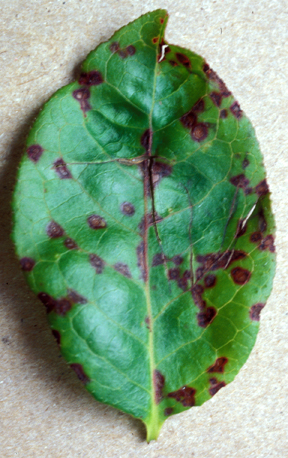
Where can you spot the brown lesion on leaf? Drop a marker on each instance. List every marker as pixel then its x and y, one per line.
pixel 47 300
pixel 158 259
pixel 241 228
pixel 131 50
pixel 54 230
pixel 158 382
pixel 160 170
pixel 114 47
pixel 150 221
pixel 177 260
pixel 34 152
pixel 210 281
pixel 262 188
pixel 78 368
pixel 199 132
pixel 183 59
pixel 27 264
pixel 255 311
pixel 146 139
pixel 96 222
pixel 236 110
pixel 93 78
pixel 223 114
pixel 212 76
pixel 97 263
pixel 61 169
pixel 240 276
pixel 174 273
pixel 60 306
pixel 168 411
pixel 70 244
pixel 75 297
pixel 185 395
pixel 215 386
pixel 147 322
pixel 240 181
pixel 267 244
pixel 216 98
pixel 206 316
pixel 127 209
pixel 141 260
pixel 122 269
pixel 215 261
pixel 155 40
pixel 173 63
pixel 219 365
pixel 82 96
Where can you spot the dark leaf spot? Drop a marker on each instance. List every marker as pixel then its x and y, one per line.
pixel 78 368
pixel 149 222
pixel 210 281
pixel 27 264
pixel 160 170
pixel 197 292
pixel 155 40
pixel 145 139
pixel 262 188
pixel 61 169
pixel 57 336
pixel 199 132
pixel 127 209
pixel 158 259
pixel 123 53
pixel 206 317
pixel 76 298
pixel 199 106
pixel 48 301
pixel 34 152
pixel 96 222
pixel 236 110
pixel 185 395
pixel 168 411
pixel 215 78
pixel 215 261
pixel 182 283
pixel 161 20
pixel 141 260
pixel 174 273
pixel 219 365
pixel 215 386
pixel 131 50
pixel 122 269
pixel 177 260
pixel 248 191
pixel 97 263
pixel 82 95
pixel 173 63
pixel 62 306
pixel 70 244
pixel 256 237
pixel 93 78
pixel 147 321
pixel 240 181
pixel 223 114
pixel 114 47
pixel 245 163
pixel 54 230
pixel 267 243
pixel 216 98
pixel 189 119
pixel 240 276
pixel 262 221
pixel 255 311
pixel 159 382
pixel 183 60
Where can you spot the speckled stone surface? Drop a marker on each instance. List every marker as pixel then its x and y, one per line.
pixel 45 411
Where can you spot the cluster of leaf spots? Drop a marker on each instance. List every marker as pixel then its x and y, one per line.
pixel 143 224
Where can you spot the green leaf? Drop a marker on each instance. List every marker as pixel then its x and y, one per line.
pixel 142 221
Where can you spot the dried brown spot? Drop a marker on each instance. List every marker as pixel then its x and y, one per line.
pixel 76 298
pixel 127 209
pixel 189 119
pixel 206 317
pixel 240 276
pixel 255 311
pixel 245 163
pixel 147 321
pixel 200 271
pixel 236 110
pixel 174 273
pixel 70 244
pixel 34 152
pixel 114 47
pixel 212 75
pixel 185 395
pixel 54 230
pixel 82 95
pixel 182 283
pixel 155 40
pixel 48 301
pixel 210 281
pixel 241 228
pixel 161 20
pixel 240 181
pixel 122 269
pixel 197 292
pixel 183 60
pixel 160 170
pixel 145 139
pixel 131 50
pixel 215 261
pixel 248 190
pixel 262 220
pixel 223 114
pixel 262 188
pixel 141 260
pixel 57 336
pixel 177 260
pixel 219 365
pixel 61 169
pixel 159 382
pixel 27 264
pixel 123 53
pixel 158 259
pixel 216 98
pixel 96 222
pixel 173 63
pixel 97 263
pixel 93 78
pixel 62 306
pixel 78 368
pixel 199 132
pixel 168 411
pixel 149 222
pixel 199 106
pixel 268 243
pixel 256 237
pixel 215 386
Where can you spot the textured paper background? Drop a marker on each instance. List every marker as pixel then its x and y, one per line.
pixel 45 411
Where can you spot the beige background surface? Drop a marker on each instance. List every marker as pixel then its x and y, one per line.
pixel 45 411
